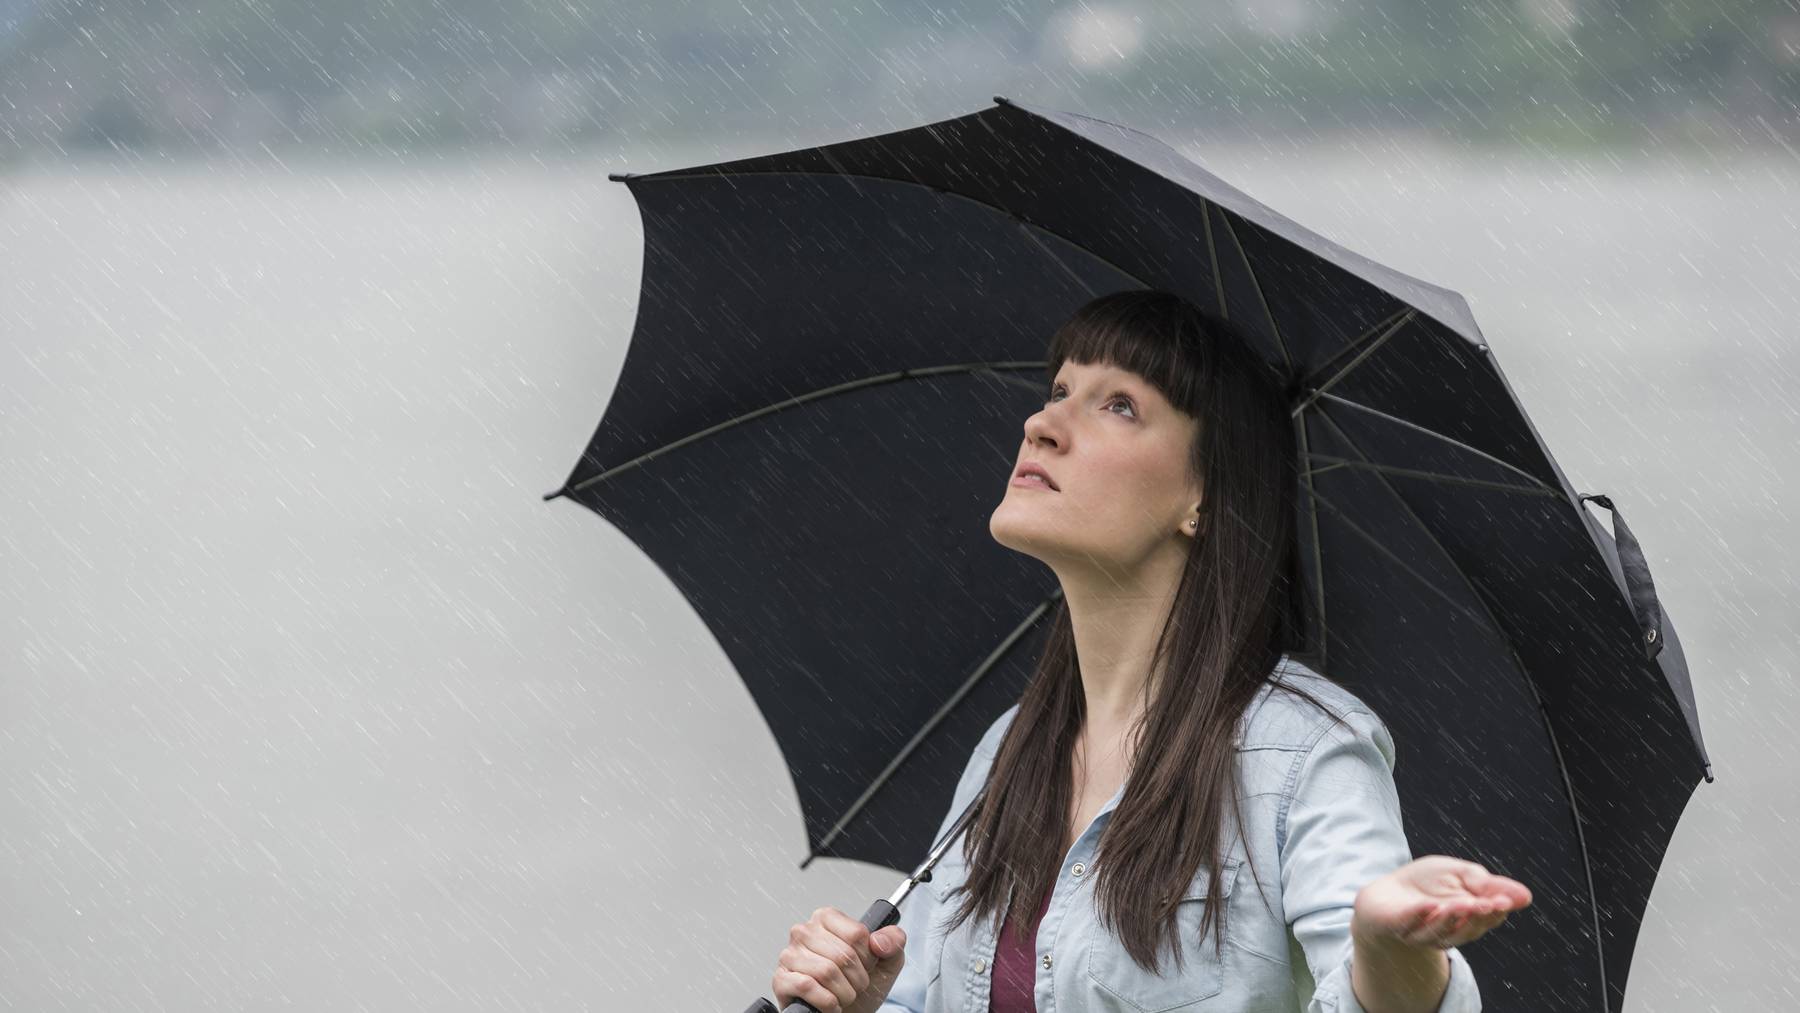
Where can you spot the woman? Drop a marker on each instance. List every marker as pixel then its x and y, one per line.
pixel 1158 482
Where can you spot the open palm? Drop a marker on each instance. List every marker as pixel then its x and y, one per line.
pixel 1436 901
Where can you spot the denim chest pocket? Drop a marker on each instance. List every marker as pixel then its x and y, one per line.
pixel 934 957
pixel 1201 975
pixel 950 872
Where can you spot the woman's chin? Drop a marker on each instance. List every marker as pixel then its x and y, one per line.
pixel 1021 535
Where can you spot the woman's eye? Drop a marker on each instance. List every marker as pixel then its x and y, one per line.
pixel 1119 397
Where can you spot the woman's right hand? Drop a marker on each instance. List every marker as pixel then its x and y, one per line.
pixel 835 963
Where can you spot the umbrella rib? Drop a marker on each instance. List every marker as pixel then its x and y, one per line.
pixel 1031 232
pixel 1351 346
pixel 1415 427
pixel 912 744
pixel 1312 513
pixel 1212 256
pixel 1389 553
pixel 1205 217
pixel 1562 767
pixel 1368 348
pixel 852 177
pixel 1406 313
pixel 1287 356
pixel 997 368
pixel 1431 476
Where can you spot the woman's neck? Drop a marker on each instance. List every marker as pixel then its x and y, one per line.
pixel 1115 624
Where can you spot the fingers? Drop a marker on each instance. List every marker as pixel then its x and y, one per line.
pixel 788 985
pixel 1483 924
pixel 1440 928
pixel 1455 922
pixel 1473 927
pixel 821 965
pixel 1421 915
pixel 827 977
pixel 852 931
pixel 1460 901
pixel 1483 883
pixel 1453 932
pixel 844 976
pixel 1499 891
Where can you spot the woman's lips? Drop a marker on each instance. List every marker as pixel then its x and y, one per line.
pixel 1032 482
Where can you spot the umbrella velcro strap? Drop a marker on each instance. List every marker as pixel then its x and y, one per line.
pixel 1638 586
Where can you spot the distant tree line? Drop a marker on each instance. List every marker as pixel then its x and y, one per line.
pixel 420 74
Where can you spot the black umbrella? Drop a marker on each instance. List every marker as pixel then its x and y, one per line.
pixel 821 404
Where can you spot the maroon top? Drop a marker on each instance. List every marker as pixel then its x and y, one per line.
pixel 1015 967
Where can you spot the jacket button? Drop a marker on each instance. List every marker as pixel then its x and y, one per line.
pixel 1078 870
pixel 1046 961
pixel 980 965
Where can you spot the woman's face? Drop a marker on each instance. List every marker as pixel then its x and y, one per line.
pixel 1117 452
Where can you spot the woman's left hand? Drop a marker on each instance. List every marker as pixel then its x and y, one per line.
pixel 1435 901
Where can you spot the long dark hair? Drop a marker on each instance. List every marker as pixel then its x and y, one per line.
pixel 1236 609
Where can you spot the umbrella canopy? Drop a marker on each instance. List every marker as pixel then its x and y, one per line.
pixel 834 352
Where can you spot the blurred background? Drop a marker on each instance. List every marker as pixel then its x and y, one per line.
pixel 307 700
pixel 344 77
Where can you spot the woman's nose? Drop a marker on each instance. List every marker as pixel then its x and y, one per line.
pixel 1040 428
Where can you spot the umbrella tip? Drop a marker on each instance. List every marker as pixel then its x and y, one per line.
pixel 618 177
pixel 809 858
pixel 1709 776
pixel 564 491
pixel 1003 100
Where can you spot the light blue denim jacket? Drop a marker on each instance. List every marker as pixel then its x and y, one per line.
pixel 1323 820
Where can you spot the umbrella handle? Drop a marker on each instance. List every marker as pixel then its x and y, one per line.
pixel 1638 587
pixel 880 915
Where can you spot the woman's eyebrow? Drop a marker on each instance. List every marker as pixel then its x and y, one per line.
pixel 1106 374
pixel 1113 380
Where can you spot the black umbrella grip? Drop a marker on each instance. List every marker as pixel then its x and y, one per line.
pixel 880 915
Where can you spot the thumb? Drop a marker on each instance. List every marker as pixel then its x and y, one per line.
pixel 888 942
